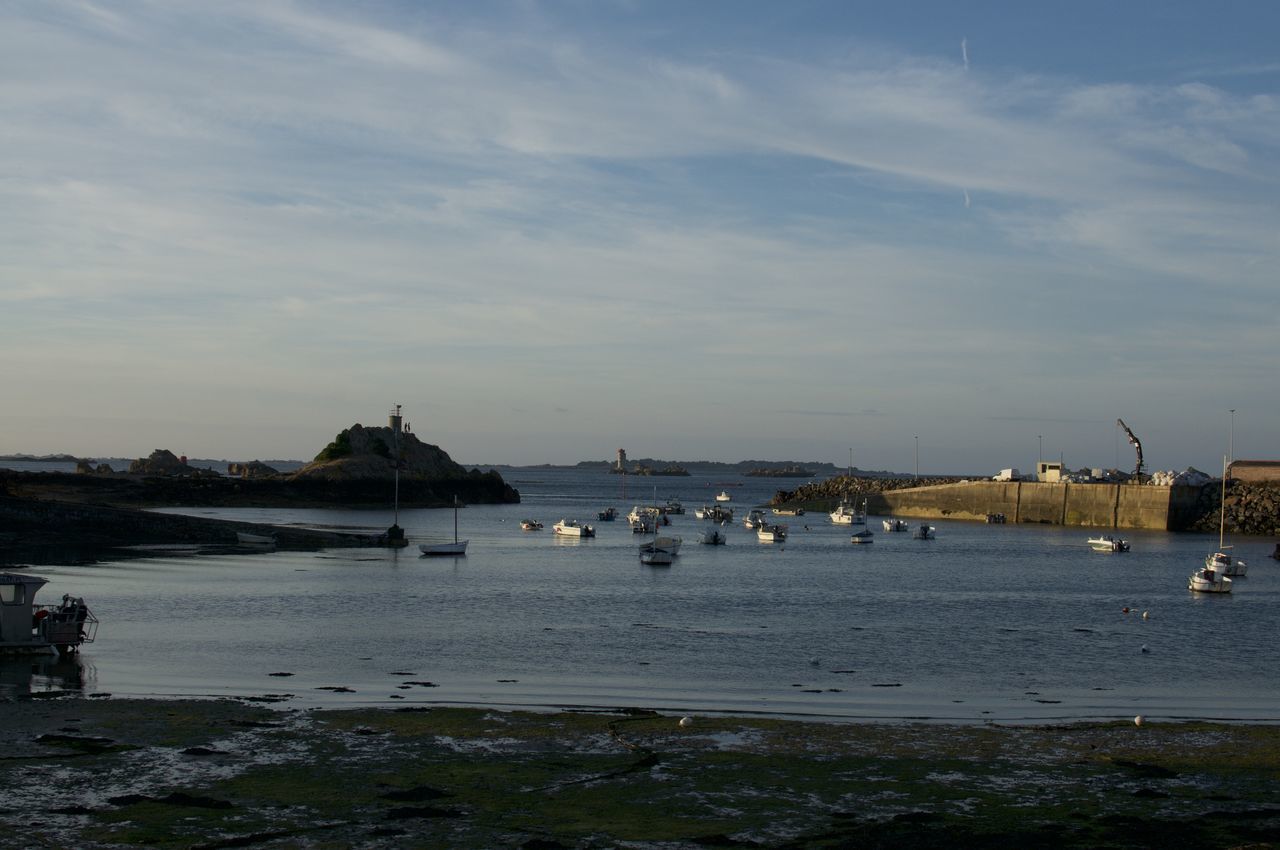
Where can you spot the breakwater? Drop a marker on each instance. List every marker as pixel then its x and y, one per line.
pixel 1252 508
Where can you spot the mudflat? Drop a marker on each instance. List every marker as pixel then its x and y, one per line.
pixel 104 772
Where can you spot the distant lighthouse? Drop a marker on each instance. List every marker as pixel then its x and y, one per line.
pixel 622 460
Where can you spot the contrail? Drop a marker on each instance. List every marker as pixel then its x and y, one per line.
pixel 964 52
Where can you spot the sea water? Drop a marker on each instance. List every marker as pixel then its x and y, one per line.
pixel 1002 623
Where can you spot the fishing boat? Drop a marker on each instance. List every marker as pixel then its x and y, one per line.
pixel 607 515
pixel 1107 543
pixel 788 511
pixel 714 513
pixel 754 519
pixel 847 514
pixel 571 528
pixel 864 536
pixel 723 496
pixel 457 547
pixel 771 533
pixel 673 506
pixel 27 627
pixel 1222 562
pixel 530 525
pixel 712 537
pixel 924 532
pixel 894 524
pixel 659 544
pixel 1208 580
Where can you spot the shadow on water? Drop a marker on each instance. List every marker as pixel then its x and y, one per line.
pixel 27 676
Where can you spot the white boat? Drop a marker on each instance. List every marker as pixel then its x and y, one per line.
pixel 1208 580
pixel 788 511
pixel 864 536
pixel 244 538
pixel 847 514
pixel 673 506
pixel 1107 543
pixel 1222 562
pixel 712 537
pixel 457 547
pixel 530 525
pixel 714 513
pixel 924 532
pixel 771 533
pixel 723 496
pixel 754 519
pixel 571 528
pixel 894 524
pixel 26 627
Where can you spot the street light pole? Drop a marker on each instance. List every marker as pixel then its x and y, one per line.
pixel 1040 451
pixel 917 458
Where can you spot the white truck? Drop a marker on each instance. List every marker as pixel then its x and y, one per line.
pixel 1007 475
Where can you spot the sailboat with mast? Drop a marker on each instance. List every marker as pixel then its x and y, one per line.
pixel 457 547
pixel 1220 566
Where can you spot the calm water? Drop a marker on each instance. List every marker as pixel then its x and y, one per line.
pixel 986 622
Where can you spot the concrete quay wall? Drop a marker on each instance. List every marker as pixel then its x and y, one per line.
pixel 1097 505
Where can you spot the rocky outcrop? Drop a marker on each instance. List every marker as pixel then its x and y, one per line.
pixel 834 489
pixel 252 469
pixel 360 454
pixel 163 462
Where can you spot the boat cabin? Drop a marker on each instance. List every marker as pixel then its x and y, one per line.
pixel 28 627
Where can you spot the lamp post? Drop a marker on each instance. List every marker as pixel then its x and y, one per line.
pixel 1040 451
pixel 917 458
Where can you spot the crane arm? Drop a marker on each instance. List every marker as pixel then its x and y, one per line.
pixel 1137 445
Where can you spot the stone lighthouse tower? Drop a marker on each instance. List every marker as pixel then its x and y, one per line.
pixel 622 461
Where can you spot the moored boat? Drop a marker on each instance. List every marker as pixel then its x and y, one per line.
pixel 895 524
pixel 457 547
pixel 754 519
pixel 712 537
pixel 244 538
pixel 864 536
pixel 723 496
pixel 1107 543
pixel 530 525
pixel 714 513
pixel 572 528
pixel 27 627
pixel 771 533
pixel 607 515
pixel 1208 580
pixel 847 514
pixel 924 532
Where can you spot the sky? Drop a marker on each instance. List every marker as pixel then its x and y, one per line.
pixel 934 236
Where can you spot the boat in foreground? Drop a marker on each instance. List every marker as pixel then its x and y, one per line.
pixel 712 537
pixel 457 547
pixel 1107 543
pixel 1208 580
pixel 26 627
pixel 771 533
pixel 571 528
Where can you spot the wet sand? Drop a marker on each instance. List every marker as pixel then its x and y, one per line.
pixel 105 772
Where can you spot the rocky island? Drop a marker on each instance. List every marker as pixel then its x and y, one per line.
pixel 363 467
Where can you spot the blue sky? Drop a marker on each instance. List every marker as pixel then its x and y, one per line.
pixel 717 230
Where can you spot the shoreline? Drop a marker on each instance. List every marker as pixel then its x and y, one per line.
pixel 221 772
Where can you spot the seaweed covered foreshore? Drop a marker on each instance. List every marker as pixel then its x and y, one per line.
pixel 106 773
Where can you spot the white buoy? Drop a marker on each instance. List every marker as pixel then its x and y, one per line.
pixel 1137 721
pixel 1146 615
pixel 686 722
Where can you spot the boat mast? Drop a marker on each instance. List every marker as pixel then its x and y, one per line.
pixel 1222 506
pixel 395 441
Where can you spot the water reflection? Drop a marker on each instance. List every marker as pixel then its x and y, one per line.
pixel 39 675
